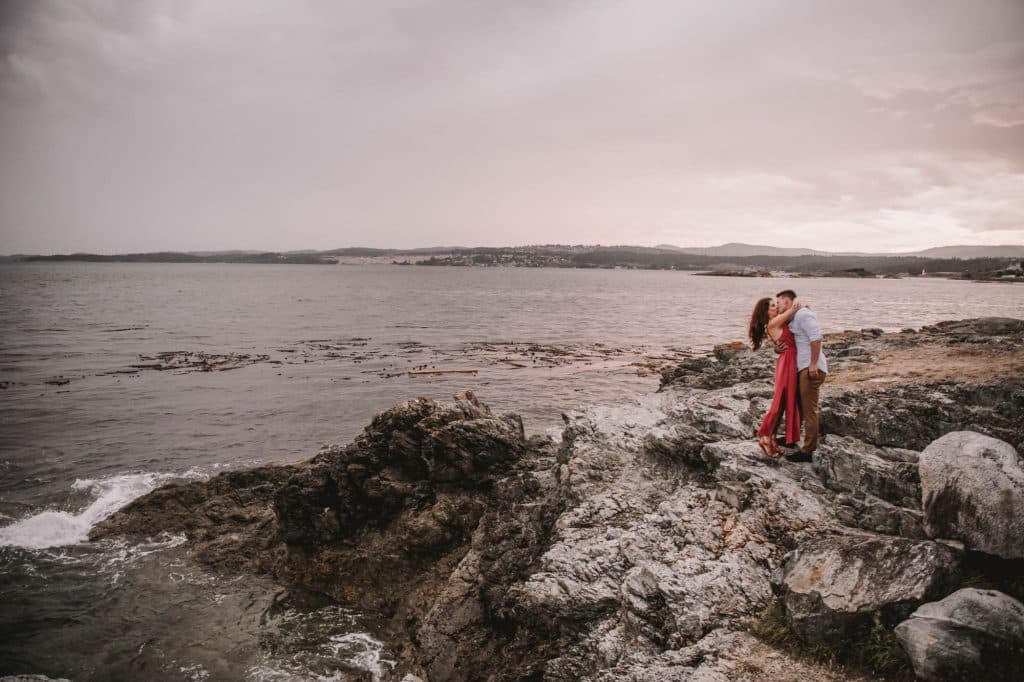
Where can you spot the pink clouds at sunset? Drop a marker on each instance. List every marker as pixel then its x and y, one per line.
pixel 280 125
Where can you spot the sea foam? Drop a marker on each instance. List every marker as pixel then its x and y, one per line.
pixel 53 528
pixel 364 652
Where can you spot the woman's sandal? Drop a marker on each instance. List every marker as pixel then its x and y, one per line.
pixel 768 447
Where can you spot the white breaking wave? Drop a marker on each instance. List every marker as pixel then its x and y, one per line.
pixel 357 650
pixel 53 528
pixel 364 652
pixel 332 659
pixel 555 433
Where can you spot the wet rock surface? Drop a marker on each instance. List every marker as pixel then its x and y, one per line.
pixel 228 519
pixel 192 361
pixel 971 634
pixel 395 359
pixel 641 546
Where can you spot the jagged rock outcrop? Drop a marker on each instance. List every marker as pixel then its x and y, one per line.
pixel 973 488
pixel 643 545
pixel 834 588
pixel 367 523
pixel 456 638
pixel 971 634
pixel 228 519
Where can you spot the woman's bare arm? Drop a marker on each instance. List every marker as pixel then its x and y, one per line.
pixel 783 318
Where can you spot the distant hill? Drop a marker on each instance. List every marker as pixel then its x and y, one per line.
pixel 367 251
pixel 964 251
pixel 735 249
pixel 744 250
pixel 236 252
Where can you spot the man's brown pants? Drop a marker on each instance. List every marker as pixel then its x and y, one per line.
pixel 809 389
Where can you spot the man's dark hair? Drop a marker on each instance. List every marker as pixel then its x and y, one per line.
pixel 787 293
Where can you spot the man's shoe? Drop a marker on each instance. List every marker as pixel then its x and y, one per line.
pixel 799 456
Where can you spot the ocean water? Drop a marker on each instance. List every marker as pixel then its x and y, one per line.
pixel 117 378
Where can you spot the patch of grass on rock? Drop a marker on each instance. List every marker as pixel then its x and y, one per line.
pixel 878 655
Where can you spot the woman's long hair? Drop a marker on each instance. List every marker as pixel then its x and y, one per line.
pixel 758 321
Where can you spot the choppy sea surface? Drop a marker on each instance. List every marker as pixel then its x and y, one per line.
pixel 117 378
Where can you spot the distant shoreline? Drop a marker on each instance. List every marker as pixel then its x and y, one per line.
pixel 1007 269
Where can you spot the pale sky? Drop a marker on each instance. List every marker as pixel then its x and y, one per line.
pixel 147 125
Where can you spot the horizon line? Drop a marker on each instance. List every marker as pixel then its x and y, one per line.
pixel 661 247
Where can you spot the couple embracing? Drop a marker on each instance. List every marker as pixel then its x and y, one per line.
pixel 800 370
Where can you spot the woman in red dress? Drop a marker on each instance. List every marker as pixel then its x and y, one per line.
pixel 766 323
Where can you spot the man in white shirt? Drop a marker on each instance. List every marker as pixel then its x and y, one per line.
pixel 812 368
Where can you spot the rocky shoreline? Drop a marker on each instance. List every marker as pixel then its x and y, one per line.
pixel 653 542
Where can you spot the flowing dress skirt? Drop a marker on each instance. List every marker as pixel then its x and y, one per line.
pixel 785 402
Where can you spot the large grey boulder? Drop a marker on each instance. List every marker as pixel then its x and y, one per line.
pixel 972 488
pixel 832 588
pixel 971 633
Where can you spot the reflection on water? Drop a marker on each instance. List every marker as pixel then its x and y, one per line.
pixel 117 377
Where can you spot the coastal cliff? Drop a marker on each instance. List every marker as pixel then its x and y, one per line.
pixel 654 541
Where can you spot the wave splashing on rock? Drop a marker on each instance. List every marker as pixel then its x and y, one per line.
pixel 58 528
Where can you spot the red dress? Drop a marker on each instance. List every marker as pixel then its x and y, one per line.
pixel 785 399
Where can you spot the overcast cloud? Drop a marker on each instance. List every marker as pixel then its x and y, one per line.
pixel 167 124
